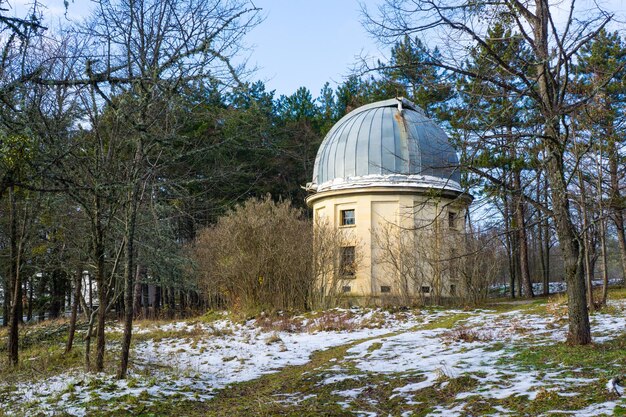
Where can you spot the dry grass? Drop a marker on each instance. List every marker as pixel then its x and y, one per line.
pixel 466 334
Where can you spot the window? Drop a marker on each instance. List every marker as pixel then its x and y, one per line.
pixel 452 289
pixel 347 217
pixel 347 261
pixel 346 288
pixel 385 288
pixel 452 220
pixel 425 289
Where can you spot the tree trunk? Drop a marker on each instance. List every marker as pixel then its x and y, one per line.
pixel 31 296
pixel 509 244
pixel 546 234
pixel 540 246
pixel 16 287
pixel 527 285
pixel 522 239
pixel 579 328
pixel 157 301
pixel 603 257
pixel 88 336
pixel 57 292
pixel 617 202
pixel 77 291
pixel 131 221
pixel 586 241
pixel 102 290
pixel 6 302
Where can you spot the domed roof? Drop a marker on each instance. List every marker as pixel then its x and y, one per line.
pixel 390 143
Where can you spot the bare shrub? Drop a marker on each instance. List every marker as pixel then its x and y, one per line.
pixel 397 249
pixel 326 291
pixel 257 257
pixel 287 324
pixel 469 335
pixel 450 263
pixel 478 266
pixel 422 256
pixel 332 320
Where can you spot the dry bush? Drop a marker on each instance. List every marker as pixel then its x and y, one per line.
pixel 398 250
pixel 469 335
pixel 257 257
pixel 332 320
pixel 327 241
pixel 478 266
pixel 287 324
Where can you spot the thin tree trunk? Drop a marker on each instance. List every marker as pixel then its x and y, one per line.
pixel 540 247
pixel 134 200
pixel 31 296
pixel 522 239
pixel 14 277
pixel 88 336
pixel 77 291
pixel 586 240
pixel 605 269
pixel 102 290
pixel 546 225
pixel 617 203
pixel 509 244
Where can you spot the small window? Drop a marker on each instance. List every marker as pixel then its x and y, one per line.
pixel 385 288
pixel 347 262
pixel 346 288
pixel 347 217
pixel 425 289
pixel 452 220
pixel 452 289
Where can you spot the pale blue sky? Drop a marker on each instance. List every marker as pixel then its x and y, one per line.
pixel 303 42
pixel 308 42
pixel 300 42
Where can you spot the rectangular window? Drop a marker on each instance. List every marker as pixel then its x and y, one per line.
pixel 347 217
pixel 425 289
pixel 347 265
pixel 452 220
pixel 385 288
pixel 346 288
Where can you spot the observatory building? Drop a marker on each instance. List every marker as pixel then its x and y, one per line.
pixel 387 183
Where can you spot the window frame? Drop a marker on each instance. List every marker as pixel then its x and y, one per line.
pixel 453 218
pixel 347 266
pixel 343 219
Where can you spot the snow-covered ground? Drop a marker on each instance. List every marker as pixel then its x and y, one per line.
pixel 205 357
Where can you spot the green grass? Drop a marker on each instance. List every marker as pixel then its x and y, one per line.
pixel 594 358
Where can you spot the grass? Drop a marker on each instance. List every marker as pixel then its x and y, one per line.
pixel 304 390
pixel 594 359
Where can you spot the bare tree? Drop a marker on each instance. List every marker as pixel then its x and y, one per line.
pixel 141 54
pixel 552 42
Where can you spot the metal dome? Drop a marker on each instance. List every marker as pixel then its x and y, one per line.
pixel 390 143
